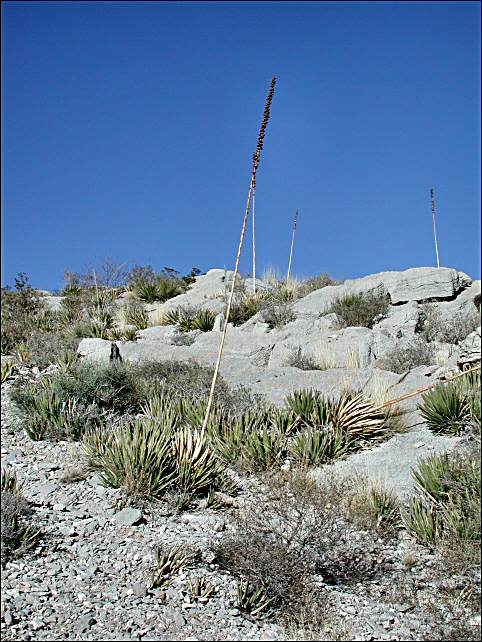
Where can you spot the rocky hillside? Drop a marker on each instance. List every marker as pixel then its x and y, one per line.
pixel 277 546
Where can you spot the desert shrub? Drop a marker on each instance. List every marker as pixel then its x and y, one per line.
pixel 277 316
pixel 445 513
pixel 290 532
pixel 17 535
pixel 183 339
pixel 403 358
pixel 354 310
pixel 190 379
pixel 47 348
pixel 316 283
pixel 20 309
pixel 301 361
pixel 249 305
pixel 448 329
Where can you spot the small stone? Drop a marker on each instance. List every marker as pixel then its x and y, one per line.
pixel 129 517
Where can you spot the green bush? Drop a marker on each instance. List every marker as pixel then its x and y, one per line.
pixel 354 310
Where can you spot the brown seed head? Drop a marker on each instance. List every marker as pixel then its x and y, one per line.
pixel 264 124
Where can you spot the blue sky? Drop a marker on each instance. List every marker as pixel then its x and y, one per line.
pixel 128 131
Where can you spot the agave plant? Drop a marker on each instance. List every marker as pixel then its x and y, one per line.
pixel 423 521
pixel 10 482
pixel 68 359
pixel 304 403
pixel 445 409
pixel 200 587
pixel 168 288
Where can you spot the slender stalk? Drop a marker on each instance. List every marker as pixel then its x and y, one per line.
pixel 292 244
pixel 432 196
pixel 96 292
pixel 256 159
pixel 419 391
pixel 254 239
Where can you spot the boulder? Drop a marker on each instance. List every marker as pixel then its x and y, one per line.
pixel 469 354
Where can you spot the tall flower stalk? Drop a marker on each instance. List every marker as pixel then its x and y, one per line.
pixel 432 197
pixel 292 243
pixel 256 159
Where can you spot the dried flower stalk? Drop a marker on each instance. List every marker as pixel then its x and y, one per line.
pixel 292 244
pixel 432 196
pixel 256 159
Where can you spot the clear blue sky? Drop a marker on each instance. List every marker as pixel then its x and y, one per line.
pixel 128 133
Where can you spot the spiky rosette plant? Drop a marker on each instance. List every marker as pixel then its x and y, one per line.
pixel 198 468
pixel 361 419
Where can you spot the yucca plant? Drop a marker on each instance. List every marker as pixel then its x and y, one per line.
pixel 422 521
pixel 8 369
pixel 384 508
pixel 198 468
pixel 361 419
pixel 262 449
pixel 304 403
pixel 138 458
pixel 204 321
pixel 445 409
pixel 200 588
pixel 147 292
pixel 68 359
pixel 252 599
pixel 10 482
pixel 168 562
pixel 315 447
